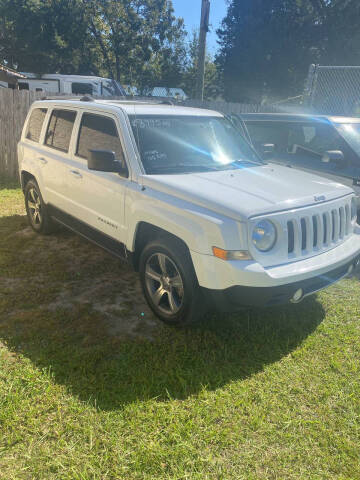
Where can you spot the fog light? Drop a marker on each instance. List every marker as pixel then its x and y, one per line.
pixel 298 295
pixel 357 263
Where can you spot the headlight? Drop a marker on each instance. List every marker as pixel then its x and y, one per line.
pixel 353 210
pixel 264 235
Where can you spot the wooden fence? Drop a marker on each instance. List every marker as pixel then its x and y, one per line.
pixel 15 104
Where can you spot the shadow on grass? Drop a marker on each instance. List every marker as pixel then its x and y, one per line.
pixel 9 183
pixel 76 347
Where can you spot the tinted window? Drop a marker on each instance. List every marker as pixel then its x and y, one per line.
pixel 303 145
pixel 317 137
pixel 81 88
pixel 273 132
pixel 59 131
pixel 35 124
pixel 99 133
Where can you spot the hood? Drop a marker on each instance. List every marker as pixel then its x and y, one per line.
pixel 251 191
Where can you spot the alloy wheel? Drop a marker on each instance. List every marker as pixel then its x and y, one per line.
pixel 164 283
pixel 34 206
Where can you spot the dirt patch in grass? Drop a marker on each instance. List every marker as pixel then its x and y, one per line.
pixel 69 273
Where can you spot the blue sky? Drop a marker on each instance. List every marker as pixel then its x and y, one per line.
pixel 190 11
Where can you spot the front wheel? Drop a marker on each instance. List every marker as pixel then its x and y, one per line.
pixel 169 282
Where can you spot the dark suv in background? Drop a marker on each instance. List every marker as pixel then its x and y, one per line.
pixel 329 146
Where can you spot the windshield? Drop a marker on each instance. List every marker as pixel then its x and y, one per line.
pixel 351 133
pixel 188 144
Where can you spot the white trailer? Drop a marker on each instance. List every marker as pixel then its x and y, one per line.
pixel 72 84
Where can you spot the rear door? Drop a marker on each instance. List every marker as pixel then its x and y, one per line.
pixel 30 149
pixel 55 155
pixel 98 198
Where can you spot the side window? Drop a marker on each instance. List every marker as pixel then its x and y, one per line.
pixel 23 86
pixel 59 131
pixel 35 124
pixel 316 137
pixel 99 133
pixel 271 132
pixel 81 88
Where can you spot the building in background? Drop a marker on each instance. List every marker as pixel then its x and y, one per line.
pixel 9 77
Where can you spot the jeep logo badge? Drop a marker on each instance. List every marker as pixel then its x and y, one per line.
pixel 320 198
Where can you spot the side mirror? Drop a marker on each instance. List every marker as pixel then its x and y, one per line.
pixel 104 161
pixel 333 156
pixel 267 148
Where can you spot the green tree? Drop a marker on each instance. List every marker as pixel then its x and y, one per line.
pixel 43 35
pixel 212 78
pixel 141 41
pixel 135 41
pixel 268 45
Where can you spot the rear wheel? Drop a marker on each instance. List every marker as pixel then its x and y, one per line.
pixel 37 213
pixel 169 282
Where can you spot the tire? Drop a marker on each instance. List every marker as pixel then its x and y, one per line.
pixel 169 282
pixel 36 210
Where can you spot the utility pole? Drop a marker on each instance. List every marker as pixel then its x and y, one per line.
pixel 204 28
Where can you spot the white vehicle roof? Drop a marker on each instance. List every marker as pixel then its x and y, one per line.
pixel 133 107
pixel 58 76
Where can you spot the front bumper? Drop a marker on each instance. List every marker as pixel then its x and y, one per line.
pixel 240 283
pixel 215 274
pixel 234 298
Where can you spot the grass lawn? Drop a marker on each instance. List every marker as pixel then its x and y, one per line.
pixel 92 386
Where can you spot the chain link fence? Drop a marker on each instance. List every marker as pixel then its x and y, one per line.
pixel 333 90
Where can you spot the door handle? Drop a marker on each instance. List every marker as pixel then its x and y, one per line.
pixel 43 160
pixel 76 173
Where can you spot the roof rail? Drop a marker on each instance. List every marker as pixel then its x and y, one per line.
pixel 84 98
pixel 87 98
pixel 129 99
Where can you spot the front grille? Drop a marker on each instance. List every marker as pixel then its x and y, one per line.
pixel 318 231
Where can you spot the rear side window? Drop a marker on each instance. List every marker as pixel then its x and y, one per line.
pixel 23 86
pixel 59 131
pixel 81 88
pixel 99 133
pixel 35 124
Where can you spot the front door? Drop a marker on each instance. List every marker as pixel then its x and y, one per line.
pixel 98 198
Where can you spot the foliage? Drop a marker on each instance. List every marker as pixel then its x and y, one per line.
pixel 135 41
pixel 44 36
pixel 268 45
pixel 141 41
pixel 212 80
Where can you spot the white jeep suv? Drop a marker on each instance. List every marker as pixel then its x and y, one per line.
pixel 182 196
